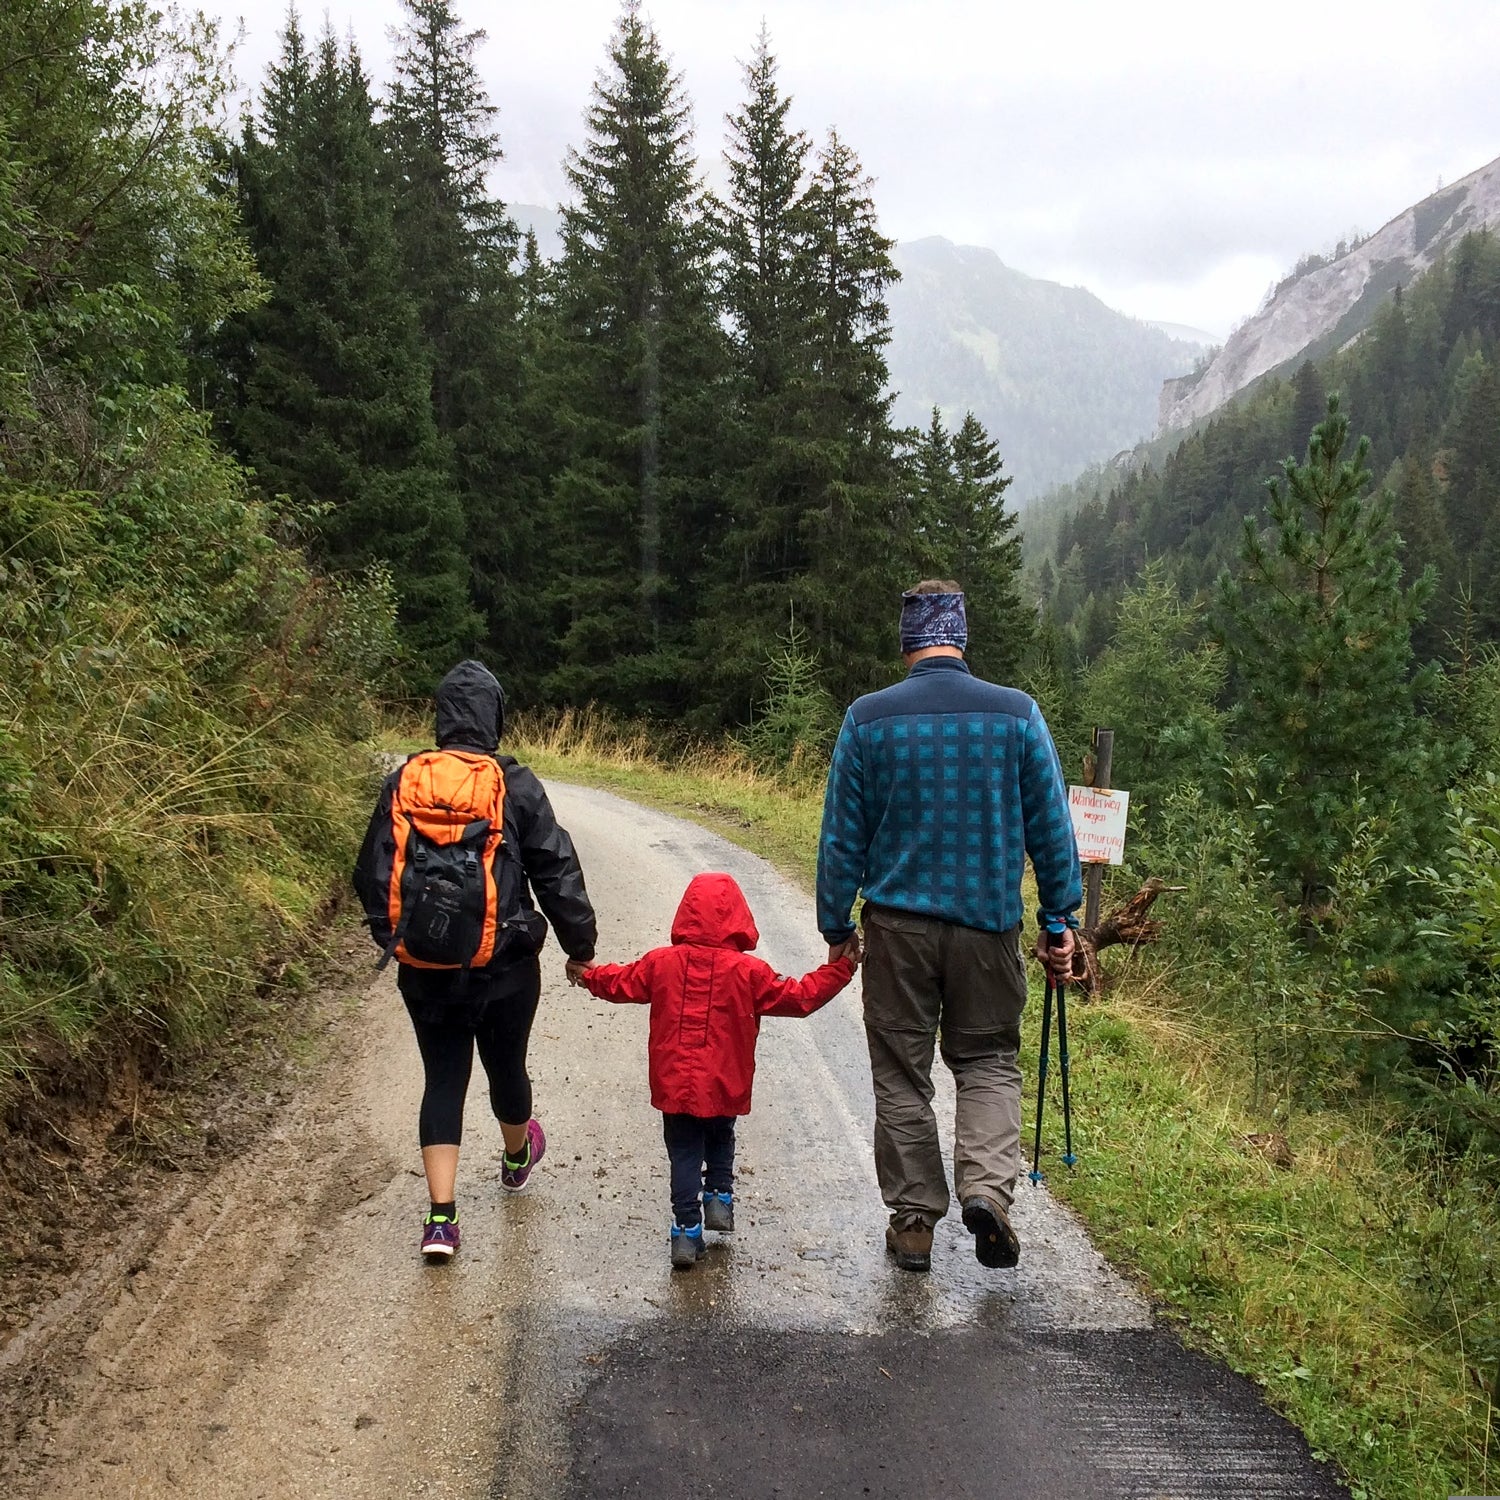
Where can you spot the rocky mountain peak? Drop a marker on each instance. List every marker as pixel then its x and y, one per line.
pixel 1326 303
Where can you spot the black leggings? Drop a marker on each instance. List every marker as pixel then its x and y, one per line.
pixel 501 1030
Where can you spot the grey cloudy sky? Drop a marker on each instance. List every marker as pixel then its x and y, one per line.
pixel 1173 157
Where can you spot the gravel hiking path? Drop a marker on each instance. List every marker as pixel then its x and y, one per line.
pixel 268 1330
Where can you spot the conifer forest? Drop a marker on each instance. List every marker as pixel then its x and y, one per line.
pixel 293 417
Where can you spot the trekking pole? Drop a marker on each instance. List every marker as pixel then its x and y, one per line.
pixel 1062 1049
pixel 1041 1082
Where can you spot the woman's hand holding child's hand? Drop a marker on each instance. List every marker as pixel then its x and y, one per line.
pixel 576 968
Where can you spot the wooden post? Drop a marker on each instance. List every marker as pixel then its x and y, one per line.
pixel 1103 759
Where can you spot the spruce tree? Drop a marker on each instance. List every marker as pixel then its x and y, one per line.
pixel 456 241
pixel 458 245
pixel 1309 403
pixel 1318 630
pixel 771 461
pixel 1157 684
pixel 1426 546
pixel 965 533
pixel 1485 497
pixel 985 555
pixel 762 228
pixel 1473 436
pixel 638 370
pixel 931 472
pixel 332 402
pixel 857 522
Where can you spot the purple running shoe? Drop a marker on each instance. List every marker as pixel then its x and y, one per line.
pixel 513 1173
pixel 440 1238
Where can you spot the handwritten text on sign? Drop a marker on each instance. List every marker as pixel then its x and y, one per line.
pixel 1099 824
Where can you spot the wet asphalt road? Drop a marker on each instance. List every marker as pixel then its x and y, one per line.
pixel 280 1337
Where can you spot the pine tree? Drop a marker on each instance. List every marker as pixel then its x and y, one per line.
pixel 638 369
pixel 1318 629
pixel 332 400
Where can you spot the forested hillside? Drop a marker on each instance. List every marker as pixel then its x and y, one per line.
pixel 1423 384
pixel 177 684
pixel 1326 301
pixel 1061 380
pixel 630 476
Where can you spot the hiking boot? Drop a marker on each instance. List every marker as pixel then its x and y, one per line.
pixel 718 1212
pixel 912 1246
pixel 440 1238
pixel 995 1242
pixel 514 1172
pixel 687 1246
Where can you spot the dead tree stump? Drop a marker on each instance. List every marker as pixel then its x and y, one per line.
pixel 1128 923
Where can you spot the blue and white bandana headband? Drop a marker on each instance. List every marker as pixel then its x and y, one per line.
pixel 933 620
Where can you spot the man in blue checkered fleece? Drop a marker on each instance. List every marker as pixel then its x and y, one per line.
pixel 940 787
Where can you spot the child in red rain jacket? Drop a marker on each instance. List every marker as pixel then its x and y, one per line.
pixel 707 993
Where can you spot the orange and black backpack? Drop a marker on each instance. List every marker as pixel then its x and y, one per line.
pixel 452 893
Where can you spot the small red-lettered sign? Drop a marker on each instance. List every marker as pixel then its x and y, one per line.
pixel 1099 824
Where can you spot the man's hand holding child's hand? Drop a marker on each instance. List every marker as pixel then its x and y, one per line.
pixel 576 968
pixel 852 948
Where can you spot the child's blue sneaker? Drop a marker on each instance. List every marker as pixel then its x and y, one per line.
pixel 718 1212
pixel 687 1246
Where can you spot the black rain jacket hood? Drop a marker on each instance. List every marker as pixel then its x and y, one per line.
pixel 470 709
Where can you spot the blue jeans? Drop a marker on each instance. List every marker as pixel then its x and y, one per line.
pixel 702 1155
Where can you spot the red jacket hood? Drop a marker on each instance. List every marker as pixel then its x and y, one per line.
pixel 714 914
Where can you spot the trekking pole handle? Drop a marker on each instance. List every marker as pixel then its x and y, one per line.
pixel 1054 940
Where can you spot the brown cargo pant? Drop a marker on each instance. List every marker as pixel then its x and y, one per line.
pixel 925 980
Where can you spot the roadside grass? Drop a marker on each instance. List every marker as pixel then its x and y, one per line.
pixel 161 860
pixel 1328 1257
pixel 1301 1252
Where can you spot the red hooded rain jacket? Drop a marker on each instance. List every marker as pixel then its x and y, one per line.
pixel 707 993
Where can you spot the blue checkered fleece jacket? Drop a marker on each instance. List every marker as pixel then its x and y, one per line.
pixel 939 788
